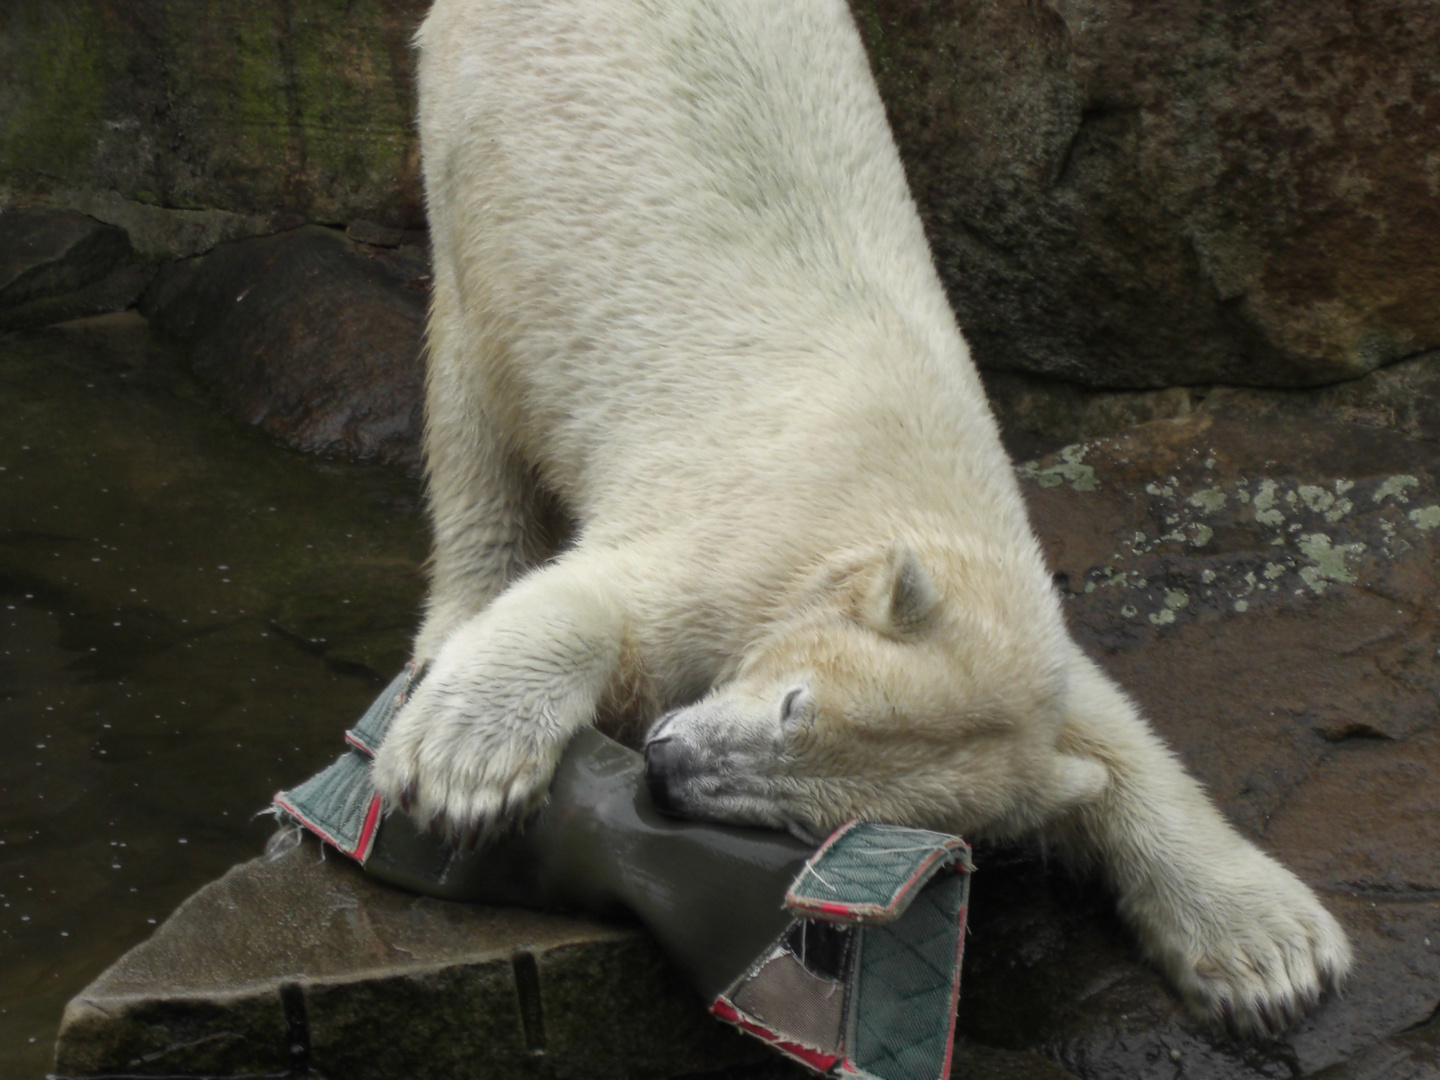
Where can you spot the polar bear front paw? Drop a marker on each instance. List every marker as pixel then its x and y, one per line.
pixel 473 752
pixel 1254 950
pixel 464 763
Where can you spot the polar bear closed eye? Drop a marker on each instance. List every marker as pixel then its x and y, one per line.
pixel 681 295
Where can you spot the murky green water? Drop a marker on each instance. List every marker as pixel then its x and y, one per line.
pixel 189 618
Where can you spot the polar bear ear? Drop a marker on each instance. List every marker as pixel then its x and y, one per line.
pixel 905 599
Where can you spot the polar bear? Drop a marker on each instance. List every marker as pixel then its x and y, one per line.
pixel 683 297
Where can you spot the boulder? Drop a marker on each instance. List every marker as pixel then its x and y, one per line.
pixel 296 964
pixel 312 337
pixel 1038 416
pixel 56 265
pixel 164 233
pixel 1144 195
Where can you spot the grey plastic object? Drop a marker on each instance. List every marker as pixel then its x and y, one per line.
pixel 846 958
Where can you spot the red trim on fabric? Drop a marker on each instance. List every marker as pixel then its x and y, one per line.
pixel 833 838
pixel 904 889
pixel 368 830
pixel 314 826
pixel 955 992
pixel 723 1009
pixel 818 1061
pixel 815 1059
pixel 358 745
pixel 805 905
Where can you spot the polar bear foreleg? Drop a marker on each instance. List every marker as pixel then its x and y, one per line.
pixel 482 498
pixel 472 752
pixel 1242 938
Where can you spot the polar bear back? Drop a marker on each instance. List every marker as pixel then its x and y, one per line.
pixel 681 226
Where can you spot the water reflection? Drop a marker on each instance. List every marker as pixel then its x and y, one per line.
pixel 189 616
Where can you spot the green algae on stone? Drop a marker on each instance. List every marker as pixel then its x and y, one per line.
pixel 1395 486
pixel 1328 560
pixel 1264 502
pixel 1210 500
pixel 1426 518
pixel 1309 531
pixel 305 105
pixel 1069 469
pixel 1175 599
pixel 56 64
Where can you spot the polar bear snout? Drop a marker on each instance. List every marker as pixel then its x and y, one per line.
pixel 713 761
pixel 665 765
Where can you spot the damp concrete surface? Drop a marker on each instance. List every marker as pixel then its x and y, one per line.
pixel 189 616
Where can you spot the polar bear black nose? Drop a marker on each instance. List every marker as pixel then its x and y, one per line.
pixel 662 756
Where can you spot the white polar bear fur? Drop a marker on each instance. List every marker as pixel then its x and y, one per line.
pixel 681 289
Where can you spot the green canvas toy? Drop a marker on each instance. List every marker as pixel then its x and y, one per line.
pixel 845 957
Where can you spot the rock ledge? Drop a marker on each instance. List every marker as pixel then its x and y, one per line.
pixel 303 966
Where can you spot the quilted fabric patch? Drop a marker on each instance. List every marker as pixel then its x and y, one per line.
pixel 868 873
pixel 338 804
pixel 903 1006
pixel 367 735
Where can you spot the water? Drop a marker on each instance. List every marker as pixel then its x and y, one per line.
pixel 189 618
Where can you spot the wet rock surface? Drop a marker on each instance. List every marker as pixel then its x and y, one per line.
pixel 1260 576
pixel 309 335
pixel 299 965
pixel 1145 195
pixel 56 265
pixel 352 979
pixel 1038 416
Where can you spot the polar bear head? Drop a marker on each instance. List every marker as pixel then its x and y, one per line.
pixel 921 687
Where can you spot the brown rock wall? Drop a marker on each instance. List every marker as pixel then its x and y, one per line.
pixel 1142 195
pixel 1118 195
pixel 287 107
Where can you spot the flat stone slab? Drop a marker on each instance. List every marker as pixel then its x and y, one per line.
pixel 301 965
